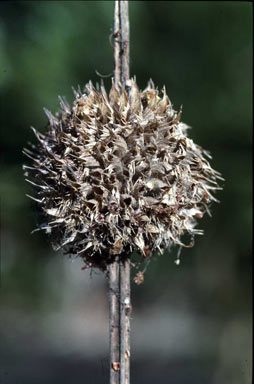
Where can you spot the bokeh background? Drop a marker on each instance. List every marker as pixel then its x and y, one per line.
pixel 190 323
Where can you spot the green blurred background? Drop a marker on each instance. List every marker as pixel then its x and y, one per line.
pixel 191 323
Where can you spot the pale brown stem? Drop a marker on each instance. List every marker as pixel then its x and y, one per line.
pixel 114 322
pixel 121 42
pixel 125 311
pixel 119 271
pixel 119 321
pixel 117 43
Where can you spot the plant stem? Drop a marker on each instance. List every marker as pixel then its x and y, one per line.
pixel 114 322
pixel 125 311
pixel 121 42
pixel 119 270
pixel 119 321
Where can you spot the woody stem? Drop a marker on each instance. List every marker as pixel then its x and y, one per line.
pixel 119 270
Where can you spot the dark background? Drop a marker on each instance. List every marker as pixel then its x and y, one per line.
pixel 191 323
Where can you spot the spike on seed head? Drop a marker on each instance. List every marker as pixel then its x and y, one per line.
pixel 117 172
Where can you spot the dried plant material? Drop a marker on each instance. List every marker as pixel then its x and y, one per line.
pixel 139 278
pixel 117 173
pixel 128 309
pixel 116 366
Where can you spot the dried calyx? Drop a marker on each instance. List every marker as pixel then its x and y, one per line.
pixel 117 173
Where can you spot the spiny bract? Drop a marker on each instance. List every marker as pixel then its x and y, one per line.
pixel 117 173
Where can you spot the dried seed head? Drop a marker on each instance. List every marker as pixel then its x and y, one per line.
pixel 117 173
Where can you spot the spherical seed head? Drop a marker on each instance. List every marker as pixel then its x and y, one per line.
pixel 117 173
